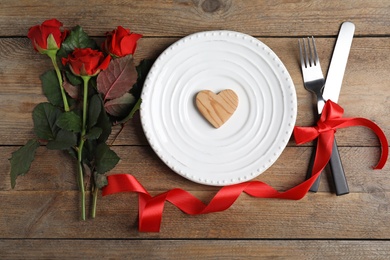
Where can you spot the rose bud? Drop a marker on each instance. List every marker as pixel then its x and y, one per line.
pixel 86 62
pixel 121 42
pixel 47 36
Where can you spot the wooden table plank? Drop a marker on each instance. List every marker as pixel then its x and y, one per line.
pixel 45 202
pixel 198 249
pixel 16 111
pixel 373 52
pixel 54 214
pixel 368 82
pixel 56 171
pixel 179 18
pixel 39 219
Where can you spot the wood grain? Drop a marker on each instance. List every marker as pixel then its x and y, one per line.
pixel 197 249
pixel 55 171
pixel 39 219
pixel 54 214
pixel 182 17
pixel 217 108
pixel 21 91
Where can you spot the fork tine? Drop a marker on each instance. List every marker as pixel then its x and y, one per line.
pixel 310 64
pixel 303 65
pixel 316 59
pixel 306 52
pixel 303 53
pixel 315 51
pixel 309 54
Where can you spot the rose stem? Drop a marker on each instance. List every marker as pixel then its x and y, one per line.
pixel 53 58
pixel 95 194
pixel 81 145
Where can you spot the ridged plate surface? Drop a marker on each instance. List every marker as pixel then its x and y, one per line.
pixel 256 134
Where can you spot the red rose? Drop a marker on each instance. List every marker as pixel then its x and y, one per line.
pixel 121 42
pixel 86 62
pixel 47 36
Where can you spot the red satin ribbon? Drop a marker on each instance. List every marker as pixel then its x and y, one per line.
pixel 151 208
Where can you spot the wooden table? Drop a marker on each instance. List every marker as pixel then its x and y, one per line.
pixel 40 217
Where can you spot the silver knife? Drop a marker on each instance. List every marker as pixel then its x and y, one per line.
pixel 331 91
pixel 334 78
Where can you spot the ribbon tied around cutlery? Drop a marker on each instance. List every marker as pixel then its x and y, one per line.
pixel 151 207
pixel 331 120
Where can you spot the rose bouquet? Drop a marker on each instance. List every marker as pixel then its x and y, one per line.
pixel 90 90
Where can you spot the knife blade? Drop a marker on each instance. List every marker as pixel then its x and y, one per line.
pixel 331 91
pixel 334 78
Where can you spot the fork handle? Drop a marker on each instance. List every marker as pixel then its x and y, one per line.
pixel 309 173
pixel 336 168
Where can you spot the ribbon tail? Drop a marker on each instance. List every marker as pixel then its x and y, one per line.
pixel 358 121
pixel 123 183
pixel 225 197
pixel 150 213
pixel 323 151
pixel 151 208
pixel 128 183
pixel 383 141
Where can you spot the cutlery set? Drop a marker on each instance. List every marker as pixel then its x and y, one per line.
pixel 328 89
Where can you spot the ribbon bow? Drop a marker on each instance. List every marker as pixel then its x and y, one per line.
pixel 331 120
pixel 151 208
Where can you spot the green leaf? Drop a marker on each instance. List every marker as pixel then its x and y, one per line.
pixel 77 38
pixel 63 141
pixel 69 121
pixel 100 180
pixel 73 79
pixel 104 123
pixel 89 152
pixel 45 116
pixel 106 159
pixel 21 160
pixel 72 152
pixel 135 108
pixel 51 88
pixel 143 69
pixel 94 133
pixel 94 109
pixel 93 83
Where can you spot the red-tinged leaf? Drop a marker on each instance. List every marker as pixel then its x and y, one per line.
pixel 120 106
pixel 118 78
pixel 73 91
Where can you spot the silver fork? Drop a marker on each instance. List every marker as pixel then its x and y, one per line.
pixel 313 78
pixel 314 82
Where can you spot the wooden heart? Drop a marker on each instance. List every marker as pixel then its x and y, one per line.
pixel 217 108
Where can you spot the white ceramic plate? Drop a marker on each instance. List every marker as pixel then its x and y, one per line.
pixel 256 134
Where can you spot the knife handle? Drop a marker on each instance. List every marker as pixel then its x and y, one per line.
pixel 336 168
